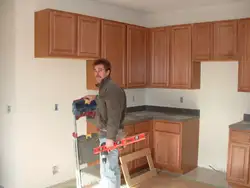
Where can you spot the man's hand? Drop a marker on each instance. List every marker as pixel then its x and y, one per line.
pixel 90 97
pixel 109 143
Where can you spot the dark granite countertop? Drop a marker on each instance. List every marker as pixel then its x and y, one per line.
pixel 135 114
pixel 243 125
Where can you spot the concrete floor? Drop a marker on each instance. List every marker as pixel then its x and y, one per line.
pixel 198 178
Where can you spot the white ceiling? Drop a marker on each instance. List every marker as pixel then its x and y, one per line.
pixel 156 6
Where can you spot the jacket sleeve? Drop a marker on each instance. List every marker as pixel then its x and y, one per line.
pixel 114 111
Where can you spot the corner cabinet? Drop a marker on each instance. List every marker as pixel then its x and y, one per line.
pixel 238 158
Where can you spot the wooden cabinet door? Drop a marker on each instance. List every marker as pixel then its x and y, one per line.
pixel 160 54
pixel 202 41
pixel 136 56
pixel 167 150
pixel 143 127
pixel 238 163
pixel 225 40
pixel 114 49
pixel 89 37
pixel 181 62
pixel 63 37
pixel 244 55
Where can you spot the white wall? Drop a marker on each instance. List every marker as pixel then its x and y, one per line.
pixel 209 13
pixel 36 137
pixel 215 115
pixel 220 105
pixel 7 88
pixel 42 137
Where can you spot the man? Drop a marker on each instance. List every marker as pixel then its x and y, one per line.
pixel 110 113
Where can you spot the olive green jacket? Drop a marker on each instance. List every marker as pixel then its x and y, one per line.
pixel 111 108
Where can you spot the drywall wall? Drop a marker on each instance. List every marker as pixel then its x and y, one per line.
pixel 7 94
pixel 42 136
pixel 218 100
pixel 209 13
pixel 220 105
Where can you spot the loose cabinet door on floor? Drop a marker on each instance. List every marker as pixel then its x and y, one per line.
pixel 143 127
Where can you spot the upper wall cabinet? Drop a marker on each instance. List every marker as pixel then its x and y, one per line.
pixel 225 40
pixel 184 74
pixel 114 49
pixel 163 57
pixel 202 41
pixel 63 34
pixel 89 37
pixel 244 55
pixel 136 56
pixel 160 54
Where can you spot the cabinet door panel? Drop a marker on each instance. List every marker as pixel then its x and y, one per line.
pixel 244 55
pixel 160 54
pixel 136 56
pixel 89 37
pixel 167 150
pixel 202 41
pixel 114 49
pixel 181 62
pixel 63 40
pixel 225 40
pixel 238 163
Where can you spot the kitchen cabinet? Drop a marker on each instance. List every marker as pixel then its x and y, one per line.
pixel 114 49
pixel 136 56
pixel 89 37
pixel 159 57
pixel 184 73
pixel 244 55
pixel 225 40
pixel 133 129
pixel 202 41
pixel 238 158
pixel 66 35
pixel 162 57
pixel 173 149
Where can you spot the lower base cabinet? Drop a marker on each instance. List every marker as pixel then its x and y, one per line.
pixel 238 163
pixel 174 145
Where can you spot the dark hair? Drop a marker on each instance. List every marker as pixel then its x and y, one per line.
pixel 104 62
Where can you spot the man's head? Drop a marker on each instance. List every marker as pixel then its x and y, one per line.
pixel 102 69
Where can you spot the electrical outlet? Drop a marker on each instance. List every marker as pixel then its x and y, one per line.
pixel 8 109
pixel 55 170
pixel 133 98
pixel 181 99
pixel 56 107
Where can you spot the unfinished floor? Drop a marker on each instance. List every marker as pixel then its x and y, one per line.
pixel 198 178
